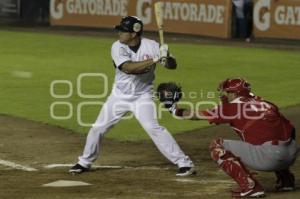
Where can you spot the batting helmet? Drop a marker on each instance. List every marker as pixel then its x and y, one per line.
pixel 237 85
pixel 130 24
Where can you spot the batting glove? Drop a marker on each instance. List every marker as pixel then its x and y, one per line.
pixel 164 50
pixel 156 58
pixel 173 109
pixel 163 54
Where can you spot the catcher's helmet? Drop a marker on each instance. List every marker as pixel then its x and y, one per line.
pixel 237 85
pixel 130 24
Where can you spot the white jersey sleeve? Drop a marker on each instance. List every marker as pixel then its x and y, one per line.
pixel 119 54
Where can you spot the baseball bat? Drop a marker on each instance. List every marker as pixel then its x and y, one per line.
pixel 158 8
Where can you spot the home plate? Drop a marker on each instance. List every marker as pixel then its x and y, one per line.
pixel 66 183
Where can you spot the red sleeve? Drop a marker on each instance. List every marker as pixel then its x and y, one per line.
pixel 221 114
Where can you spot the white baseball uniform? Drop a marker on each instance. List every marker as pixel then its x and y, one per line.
pixel 132 93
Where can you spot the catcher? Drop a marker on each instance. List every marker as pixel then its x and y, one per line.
pixel 267 137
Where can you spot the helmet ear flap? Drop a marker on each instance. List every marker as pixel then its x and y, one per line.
pixel 130 24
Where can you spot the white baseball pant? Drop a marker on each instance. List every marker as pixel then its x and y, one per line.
pixel 144 110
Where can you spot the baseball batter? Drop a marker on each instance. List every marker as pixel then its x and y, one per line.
pixel 134 59
pixel 267 138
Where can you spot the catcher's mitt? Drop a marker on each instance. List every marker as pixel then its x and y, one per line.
pixel 169 62
pixel 169 93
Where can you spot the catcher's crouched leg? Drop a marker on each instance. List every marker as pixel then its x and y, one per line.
pixel 217 150
pixel 232 165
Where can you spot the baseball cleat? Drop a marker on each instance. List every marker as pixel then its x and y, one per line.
pixel 285 181
pixel 77 169
pixel 256 192
pixel 236 190
pixel 186 171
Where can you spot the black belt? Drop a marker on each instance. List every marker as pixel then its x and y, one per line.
pixel 293 134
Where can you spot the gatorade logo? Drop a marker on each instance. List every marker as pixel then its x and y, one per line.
pixel 261 15
pixel 283 15
pixel 56 9
pixel 88 7
pixel 183 11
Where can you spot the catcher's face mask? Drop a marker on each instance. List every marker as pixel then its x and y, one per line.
pixel 227 97
pixel 238 86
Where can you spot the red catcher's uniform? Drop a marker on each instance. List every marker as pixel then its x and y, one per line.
pixel 255 120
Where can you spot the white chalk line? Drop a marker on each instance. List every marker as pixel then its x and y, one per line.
pixel 204 181
pixel 53 166
pixel 148 168
pixel 21 74
pixel 16 166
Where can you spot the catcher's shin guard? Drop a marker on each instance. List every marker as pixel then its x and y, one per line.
pixel 232 165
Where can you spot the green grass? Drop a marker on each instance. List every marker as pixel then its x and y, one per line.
pixel 274 74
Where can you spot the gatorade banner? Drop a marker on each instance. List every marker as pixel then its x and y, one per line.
pixel 10 8
pixel 198 17
pixel 277 19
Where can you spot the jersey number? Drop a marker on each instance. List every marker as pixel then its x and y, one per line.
pixel 260 106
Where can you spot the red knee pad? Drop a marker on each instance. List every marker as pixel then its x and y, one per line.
pixel 216 149
pixel 216 143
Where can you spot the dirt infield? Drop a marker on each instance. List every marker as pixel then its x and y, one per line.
pixel 140 170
